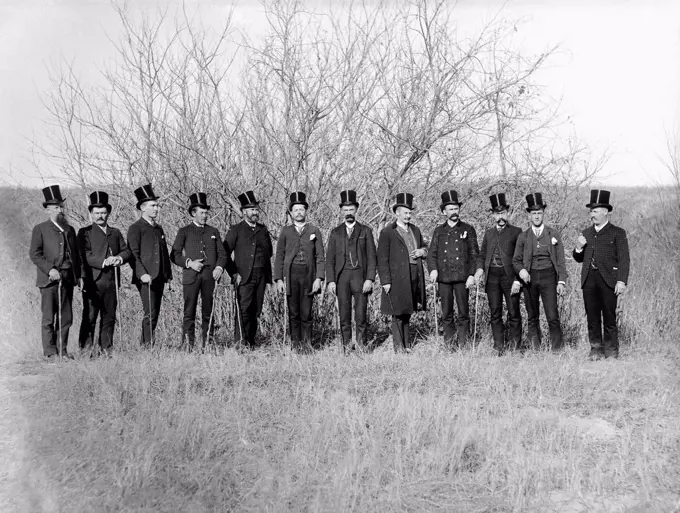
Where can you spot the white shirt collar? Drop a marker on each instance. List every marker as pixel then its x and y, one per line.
pixel 350 225
pixel 448 221
pixel 57 225
pixel 102 229
pixel 252 225
pixel 402 225
pixel 597 229
pixel 198 224
pixel 152 223
pixel 538 230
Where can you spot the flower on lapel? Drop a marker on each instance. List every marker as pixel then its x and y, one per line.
pixel 464 236
pixel 312 236
pixel 554 241
pixel 212 236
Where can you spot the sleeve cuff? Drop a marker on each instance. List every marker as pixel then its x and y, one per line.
pixel 186 263
pixel 621 282
pixel 562 282
pixel 578 250
pixel 219 267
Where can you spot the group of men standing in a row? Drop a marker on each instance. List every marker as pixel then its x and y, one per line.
pixel 510 261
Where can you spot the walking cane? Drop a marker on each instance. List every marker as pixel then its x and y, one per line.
pixel 150 323
pixel 238 319
pixel 337 323
pixel 474 331
pixel 116 277
pixel 285 312
pixel 212 311
pixel 61 341
pixel 401 337
pixel 436 320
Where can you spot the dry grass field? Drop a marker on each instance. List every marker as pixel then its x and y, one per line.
pixel 271 430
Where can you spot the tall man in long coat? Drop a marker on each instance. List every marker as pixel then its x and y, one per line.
pixel 495 262
pixel 350 269
pixel 54 252
pixel 401 250
pixel 603 250
pixel 451 259
pixel 299 269
pixel 151 261
pixel 539 262
pixel 198 250
pixel 103 250
pixel 251 244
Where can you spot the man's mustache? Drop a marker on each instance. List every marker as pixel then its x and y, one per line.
pixel 349 217
pixel 501 221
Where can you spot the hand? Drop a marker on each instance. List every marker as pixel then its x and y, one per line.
pixel 561 289
pixel 145 278
pixel 316 286
pixel 217 273
pixel 196 265
pixel 620 288
pixel 479 276
pixel 331 287
pixel 580 242
pixel 433 276
pixel 117 261
pixel 470 282
pixel 417 253
pixel 54 275
pixel 387 288
pixel 236 280
pixel 368 287
pixel 525 276
pixel 515 288
pixel 280 287
pixel 107 262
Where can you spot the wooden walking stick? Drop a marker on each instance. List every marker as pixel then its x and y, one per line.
pixel 436 320
pixel 150 321
pixel 474 330
pixel 210 319
pixel 285 312
pixel 238 319
pixel 61 340
pixel 116 277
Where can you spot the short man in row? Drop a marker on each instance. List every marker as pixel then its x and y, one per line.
pixel 251 245
pixel 350 269
pixel 54 252
pixel 151 261
pixel 539 262
pixel 102 251
pixel 451 259
pixel 603 250
pixel 495 262
pixel 401 250
pixel 299 270
pixel 199 251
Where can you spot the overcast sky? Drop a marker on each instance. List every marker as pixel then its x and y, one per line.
pixel 618 75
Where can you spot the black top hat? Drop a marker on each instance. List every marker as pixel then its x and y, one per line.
pixel 52 196
pixel 348 198
pixel 298 198
pixel 403 199
pixel 247 200
pixel 449 198
pixel 599 198
pixel 535 201
pixel 99 199
pixel 498 203
pixel 198 199
pixel 144 193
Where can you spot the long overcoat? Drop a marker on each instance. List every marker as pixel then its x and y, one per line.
pixel 394 268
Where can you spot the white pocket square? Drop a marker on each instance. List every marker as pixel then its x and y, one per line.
pixel 464 236
pixel 554 241
pixel 212 237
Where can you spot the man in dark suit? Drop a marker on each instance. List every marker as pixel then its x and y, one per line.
pixel 198 250
pixel 401 250
pixel 451 259
pixel 495 262
pixel 54 251
pixel 350 269
pixel 539 262
pixel 603 250
pixel 103 250
pixel 150 260
pixel 252 270
pixel 299 270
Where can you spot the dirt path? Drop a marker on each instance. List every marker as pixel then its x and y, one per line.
pixel 24 486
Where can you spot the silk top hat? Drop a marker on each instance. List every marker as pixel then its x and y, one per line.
pixel 599 198
pixel 247 200
pixel 52 196
pixel 348 198
pixel 403 199
pixel 298 198
pixel 535 201
pixel 498 203
pixel 144 193
pixel 449 198
pixel 99 199
pixel 198 199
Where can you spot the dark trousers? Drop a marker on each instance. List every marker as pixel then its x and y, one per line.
pixel 99 298
pixel 452 324
pixel 350 285
pixel 401 336
pixel 499 286
pixel 543 287
pixel 250 297
pixel 51 311
pixel 203 286
pixel 600 302
pixel 300 302
pixel 151 306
